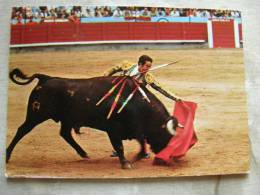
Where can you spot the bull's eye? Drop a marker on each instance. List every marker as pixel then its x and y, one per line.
pixel 169 127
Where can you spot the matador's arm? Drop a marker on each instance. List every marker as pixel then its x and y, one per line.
pixel 154 84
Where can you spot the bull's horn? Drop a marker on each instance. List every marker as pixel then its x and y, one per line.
pixel 180 125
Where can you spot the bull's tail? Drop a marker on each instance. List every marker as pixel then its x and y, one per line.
pixel 17 73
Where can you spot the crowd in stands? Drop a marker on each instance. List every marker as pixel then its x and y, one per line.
pixel 74 13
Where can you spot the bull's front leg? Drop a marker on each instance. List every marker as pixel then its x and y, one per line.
pixel 118 147
pixel 143 152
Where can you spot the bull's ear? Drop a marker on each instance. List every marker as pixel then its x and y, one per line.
pixel 175 123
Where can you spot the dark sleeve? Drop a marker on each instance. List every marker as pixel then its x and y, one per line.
pixel 162 91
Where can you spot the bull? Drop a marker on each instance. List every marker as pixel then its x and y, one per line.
pixel 72 102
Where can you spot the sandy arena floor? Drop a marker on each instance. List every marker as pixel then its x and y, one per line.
pixel 214 78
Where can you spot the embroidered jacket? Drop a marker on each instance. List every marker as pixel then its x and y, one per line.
pixel 128 68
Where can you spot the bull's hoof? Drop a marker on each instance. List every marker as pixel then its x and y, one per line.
pixel 7 157
pixel 160 162
pixel 84 155
pixel 146 156
pixel 141 156
pixel 127 165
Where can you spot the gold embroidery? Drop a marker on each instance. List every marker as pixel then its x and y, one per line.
pixel 149 78
pixel 112 70
pixel 126 65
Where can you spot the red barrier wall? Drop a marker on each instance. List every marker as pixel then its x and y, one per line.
pixel 69 32
pixel 223 34
pixel 240 32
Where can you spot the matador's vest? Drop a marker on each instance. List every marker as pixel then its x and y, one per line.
pixel 131 69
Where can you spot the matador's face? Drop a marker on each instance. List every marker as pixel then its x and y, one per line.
pixel 145 67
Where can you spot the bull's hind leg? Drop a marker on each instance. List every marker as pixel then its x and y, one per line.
pixel 65 132
pixel 25 128
pixel 118 147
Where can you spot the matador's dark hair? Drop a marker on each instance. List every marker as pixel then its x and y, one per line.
pixel 143 59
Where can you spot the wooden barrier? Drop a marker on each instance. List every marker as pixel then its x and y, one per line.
pixel 223 34
pixel 219 34
pixel 240 32
pixel 69 32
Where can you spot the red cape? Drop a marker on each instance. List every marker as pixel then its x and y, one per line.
pixel 185 137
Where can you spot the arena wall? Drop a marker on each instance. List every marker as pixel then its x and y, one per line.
pixel 49 34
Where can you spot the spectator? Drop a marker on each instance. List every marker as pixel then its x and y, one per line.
pixel 145 12
pixel 117 12
pixel 76 12
pixel 194 13
pixel 160 12
pixel 189 13
pixel 107 12
pixel 59 11
pixel 35 12
pixel 45 13
pixel 136 13
pixel 175 13
pixel 73 18
pixel 218 13
pixel 127 12
pixel 87 13
pixel 98 12
pixel 153 12
pixel 23 11
pixel 198 13
pixel 84 12
pixel 213 13
pixel 14 13
pixel 92 11
pixel 167 11
pixel 29 13
pixel 206 14
pixel 182 13
pixel 235 14
pixel 52 14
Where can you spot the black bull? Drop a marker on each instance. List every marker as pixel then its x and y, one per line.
pixel 73 103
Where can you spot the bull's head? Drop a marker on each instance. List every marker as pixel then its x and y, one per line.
pixel 159 138
pixel 171 125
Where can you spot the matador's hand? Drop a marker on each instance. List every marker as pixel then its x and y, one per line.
pixel 177 99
